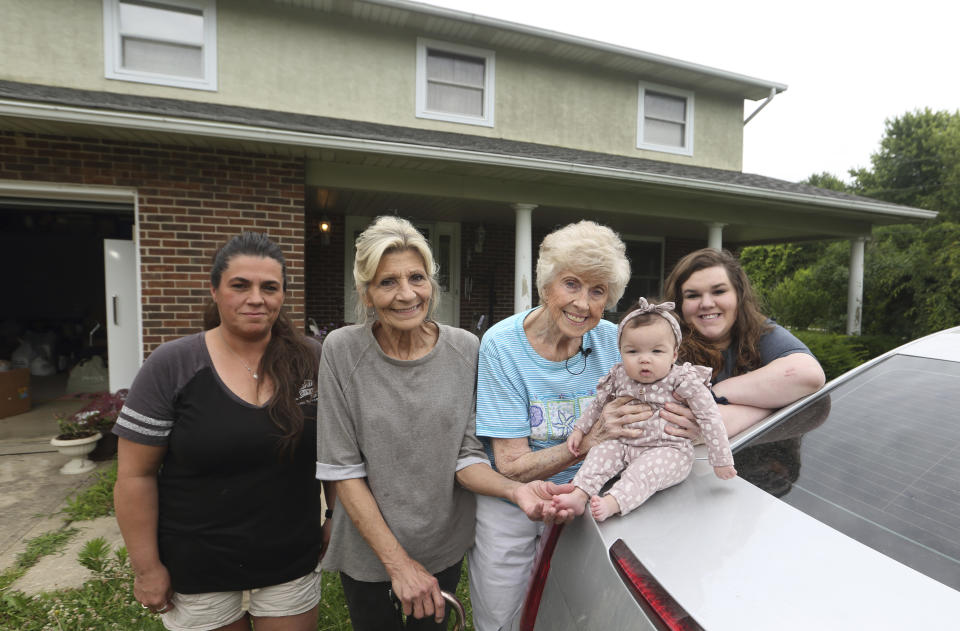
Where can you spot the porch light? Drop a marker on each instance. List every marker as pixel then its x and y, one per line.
pixel 325 227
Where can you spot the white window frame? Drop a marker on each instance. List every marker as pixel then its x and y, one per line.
pixel 687 149
pixel 113 57
pixel 489 57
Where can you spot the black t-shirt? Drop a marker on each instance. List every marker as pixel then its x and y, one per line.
pixel 233 512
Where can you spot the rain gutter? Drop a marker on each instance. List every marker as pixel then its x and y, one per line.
pixel 251 133
pixel 766 101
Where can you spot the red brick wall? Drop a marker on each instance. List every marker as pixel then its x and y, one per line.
pixel 494 267
pixel 676 249
pixel 190 202
pixel 490 272
pixel 324 299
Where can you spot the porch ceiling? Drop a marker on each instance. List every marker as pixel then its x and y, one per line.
pixel 455 177
pixel 369 185
pixel 658 221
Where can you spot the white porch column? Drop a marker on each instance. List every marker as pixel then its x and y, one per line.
pixel 855 287
pixel 523 259
pixel 715 235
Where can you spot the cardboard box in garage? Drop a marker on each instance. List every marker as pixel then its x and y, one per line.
pixel 14 392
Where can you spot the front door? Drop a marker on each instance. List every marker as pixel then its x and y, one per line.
pixel 123 326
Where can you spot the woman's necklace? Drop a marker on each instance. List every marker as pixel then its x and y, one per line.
pixel 235 354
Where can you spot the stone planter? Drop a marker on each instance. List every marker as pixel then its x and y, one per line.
pixel 76 449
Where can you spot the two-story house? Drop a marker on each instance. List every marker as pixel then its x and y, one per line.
pixel 173 124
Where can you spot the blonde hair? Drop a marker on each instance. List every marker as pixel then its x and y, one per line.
pixel 387 235
pixel 586 249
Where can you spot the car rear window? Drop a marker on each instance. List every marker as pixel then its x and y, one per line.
pixel 877 458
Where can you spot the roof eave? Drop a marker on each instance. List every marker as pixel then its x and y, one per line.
pixel 751 87
pixel 233 131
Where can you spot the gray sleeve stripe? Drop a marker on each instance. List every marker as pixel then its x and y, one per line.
pixel 463 463
pixel 125 411
pixel 341 472
pixel 139 429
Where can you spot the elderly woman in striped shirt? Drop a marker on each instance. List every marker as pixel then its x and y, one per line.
pixel 538 371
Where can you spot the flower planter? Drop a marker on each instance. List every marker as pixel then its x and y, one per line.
pixel 106 447
pixel 76 449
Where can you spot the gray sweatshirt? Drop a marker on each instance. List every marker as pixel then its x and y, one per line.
pixel 406 427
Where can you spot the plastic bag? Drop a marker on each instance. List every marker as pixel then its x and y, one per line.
pixel 90 375
pixel 42 367
pixel 23 355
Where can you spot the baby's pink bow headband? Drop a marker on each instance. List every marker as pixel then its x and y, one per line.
pixel 663 309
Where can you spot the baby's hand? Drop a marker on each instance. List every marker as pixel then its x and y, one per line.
pixel 573 442
pixel 725 473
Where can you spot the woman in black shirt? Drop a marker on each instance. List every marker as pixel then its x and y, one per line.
pixel 216 495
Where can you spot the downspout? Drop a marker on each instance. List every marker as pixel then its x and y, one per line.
pixel 766 101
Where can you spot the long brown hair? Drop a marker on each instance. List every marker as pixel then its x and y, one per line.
pixel 288 360
pixel 749 326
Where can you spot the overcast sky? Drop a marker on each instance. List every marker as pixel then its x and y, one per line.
pixel 848 64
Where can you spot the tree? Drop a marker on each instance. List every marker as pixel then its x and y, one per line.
pixel 828 181
pixel 768 266
pixel 912 272
pixel 918 163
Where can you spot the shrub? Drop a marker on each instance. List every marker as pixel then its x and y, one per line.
pixel 877 345
pixel 837 353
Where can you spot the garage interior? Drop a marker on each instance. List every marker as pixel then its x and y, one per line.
pixel 52 253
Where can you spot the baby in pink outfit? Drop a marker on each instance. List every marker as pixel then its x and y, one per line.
pixel 648 337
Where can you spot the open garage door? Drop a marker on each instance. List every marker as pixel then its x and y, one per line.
pixel 53 251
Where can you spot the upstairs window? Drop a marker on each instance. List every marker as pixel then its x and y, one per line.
pixel 665 120
pixel 168 42
pixel 454 83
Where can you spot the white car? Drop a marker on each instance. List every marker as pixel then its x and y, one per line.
pixel 845 515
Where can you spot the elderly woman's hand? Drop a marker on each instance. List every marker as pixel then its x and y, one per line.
pixel 613 422
pixel 680 420
pixel 417 590
pixel 536 500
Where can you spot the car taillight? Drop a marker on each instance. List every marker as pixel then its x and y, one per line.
pixel 659 606
pixel 532 604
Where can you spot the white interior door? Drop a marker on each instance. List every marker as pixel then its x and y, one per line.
pixel 123 339
pixel 444 240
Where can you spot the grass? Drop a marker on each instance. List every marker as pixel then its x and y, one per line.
pixel 48 543
pixel 95 500
pixel 106 602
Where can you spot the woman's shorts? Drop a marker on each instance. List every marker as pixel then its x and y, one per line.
pixel 203 612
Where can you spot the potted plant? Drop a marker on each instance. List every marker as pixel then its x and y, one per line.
pixel 77 438
pixel 107 407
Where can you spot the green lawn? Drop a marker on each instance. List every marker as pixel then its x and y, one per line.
pixel 106 603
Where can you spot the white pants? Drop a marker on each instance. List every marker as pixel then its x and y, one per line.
pixel 500 563
pixel 212 610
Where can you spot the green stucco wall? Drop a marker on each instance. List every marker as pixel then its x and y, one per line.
pixel 279 57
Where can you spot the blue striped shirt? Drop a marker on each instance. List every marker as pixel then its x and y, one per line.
pixel 522 395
